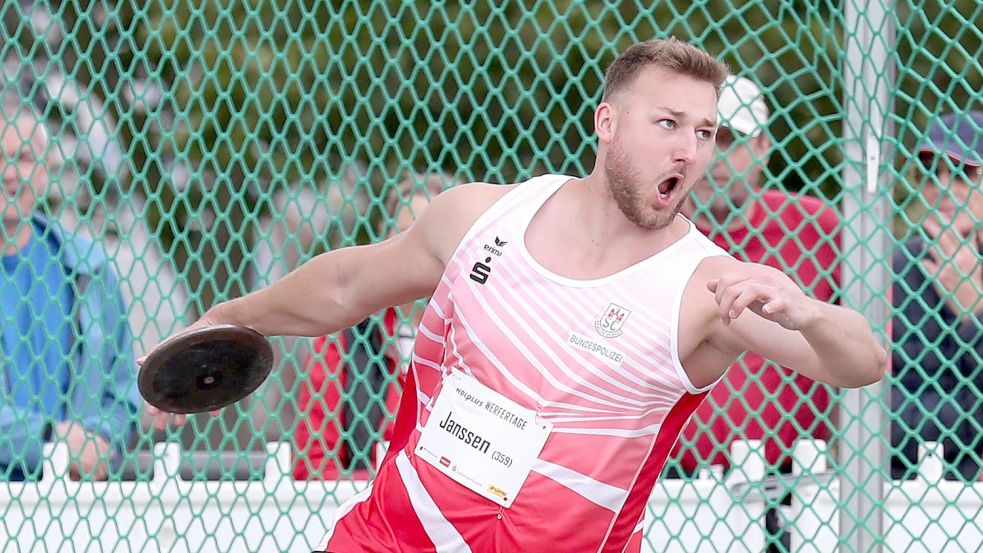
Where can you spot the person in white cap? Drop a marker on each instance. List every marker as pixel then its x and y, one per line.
pixel 792 232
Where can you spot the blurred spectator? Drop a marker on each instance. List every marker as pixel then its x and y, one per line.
pixel 795 233
pixel 68 370
pixel 937 332
pixel 354 380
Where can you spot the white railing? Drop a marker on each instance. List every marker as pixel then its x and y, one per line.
pixel 168 513
pixel 924 515
pixel 705 514
pixel 712 513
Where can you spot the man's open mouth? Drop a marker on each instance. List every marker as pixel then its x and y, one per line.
pixel 668 187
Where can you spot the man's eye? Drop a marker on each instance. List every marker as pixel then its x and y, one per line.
pixel 704 135
pixel 668 123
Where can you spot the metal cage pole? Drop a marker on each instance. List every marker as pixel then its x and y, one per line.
pixel 868 81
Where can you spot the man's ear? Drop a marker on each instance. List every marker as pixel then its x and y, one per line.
pixel 605 122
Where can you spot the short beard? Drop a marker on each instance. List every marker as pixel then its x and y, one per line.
pixel 625 184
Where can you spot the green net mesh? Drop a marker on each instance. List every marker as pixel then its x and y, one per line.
pixel 204 149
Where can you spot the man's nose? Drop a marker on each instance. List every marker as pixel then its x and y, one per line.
pixel 685 149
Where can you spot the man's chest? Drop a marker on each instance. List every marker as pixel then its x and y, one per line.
pixel 557 343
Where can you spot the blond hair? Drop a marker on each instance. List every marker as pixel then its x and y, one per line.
pixel 671 54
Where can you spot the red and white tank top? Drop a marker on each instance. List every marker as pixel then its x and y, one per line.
pixel 597 359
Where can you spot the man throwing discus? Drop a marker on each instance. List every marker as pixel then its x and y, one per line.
pixel 575 324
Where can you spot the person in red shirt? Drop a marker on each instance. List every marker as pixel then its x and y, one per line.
pixel 798 234
pixel 354 379
pixel 792 232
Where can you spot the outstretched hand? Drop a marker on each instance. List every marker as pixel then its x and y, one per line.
pixel 766 292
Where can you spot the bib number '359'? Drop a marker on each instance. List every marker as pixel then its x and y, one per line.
pixel 481 439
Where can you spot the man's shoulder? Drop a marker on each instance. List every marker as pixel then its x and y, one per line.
pixel 477 191
pixel 456 211
pixel 716 265
pixel 465 203
pixel 443 225
pixel 486 194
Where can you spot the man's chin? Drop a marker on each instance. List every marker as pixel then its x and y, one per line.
pixel 656 220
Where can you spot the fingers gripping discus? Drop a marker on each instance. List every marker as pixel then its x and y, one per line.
pixel 205 369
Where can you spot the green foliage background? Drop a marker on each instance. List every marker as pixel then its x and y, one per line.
pixel 258 95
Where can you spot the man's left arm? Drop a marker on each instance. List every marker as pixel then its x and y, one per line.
pixel 760 309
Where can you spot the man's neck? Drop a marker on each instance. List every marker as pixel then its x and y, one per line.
pixel 602 224
pixel 603 241
pixel 597 213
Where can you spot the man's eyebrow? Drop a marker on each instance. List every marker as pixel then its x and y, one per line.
pixel 678 114
pixel 673 112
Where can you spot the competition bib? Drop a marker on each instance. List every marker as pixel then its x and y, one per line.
pixel 482 439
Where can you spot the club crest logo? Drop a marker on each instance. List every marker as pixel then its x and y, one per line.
pixel 611 321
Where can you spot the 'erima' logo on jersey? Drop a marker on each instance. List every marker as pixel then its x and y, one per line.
pixel 495 249
pixel 482 269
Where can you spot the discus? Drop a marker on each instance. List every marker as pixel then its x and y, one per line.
pixel 205 369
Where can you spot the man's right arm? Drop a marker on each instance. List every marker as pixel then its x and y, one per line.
pixel 340 288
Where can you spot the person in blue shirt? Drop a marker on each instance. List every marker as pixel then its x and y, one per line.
pixel 938 298
pixel 65 345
